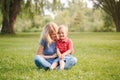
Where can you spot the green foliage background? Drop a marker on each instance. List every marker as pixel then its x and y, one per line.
pixel 77 17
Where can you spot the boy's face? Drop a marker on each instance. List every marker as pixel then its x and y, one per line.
pixel 62 34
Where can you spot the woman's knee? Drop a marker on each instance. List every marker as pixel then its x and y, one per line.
pixel 37 57
pixel 75 59
pixel 37 61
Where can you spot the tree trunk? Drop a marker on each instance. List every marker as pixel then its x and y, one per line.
pixel 117 23
pixel 9 19
pixel 5 24
pixel 117 27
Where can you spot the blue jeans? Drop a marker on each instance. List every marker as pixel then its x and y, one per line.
pixel 69 61
pixel 40 62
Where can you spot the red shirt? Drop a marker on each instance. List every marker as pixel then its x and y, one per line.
pixel 64 45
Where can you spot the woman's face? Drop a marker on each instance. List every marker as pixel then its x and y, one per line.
pixel 53 36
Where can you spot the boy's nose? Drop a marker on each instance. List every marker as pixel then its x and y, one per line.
pixel 61 34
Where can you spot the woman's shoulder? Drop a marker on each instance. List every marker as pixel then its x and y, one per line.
pixel 42 41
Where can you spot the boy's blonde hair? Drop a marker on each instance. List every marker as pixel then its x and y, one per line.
pixel 47 30
pixel 64 27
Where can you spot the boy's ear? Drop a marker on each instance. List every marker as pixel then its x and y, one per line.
pixel 67 33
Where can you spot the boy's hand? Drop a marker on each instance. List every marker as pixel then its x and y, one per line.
pixel 59 55
pixel 62 56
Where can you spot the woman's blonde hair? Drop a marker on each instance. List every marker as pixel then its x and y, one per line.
pixel 50 28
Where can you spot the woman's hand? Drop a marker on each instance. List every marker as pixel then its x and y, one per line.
pixel 50 56
pixel 54 55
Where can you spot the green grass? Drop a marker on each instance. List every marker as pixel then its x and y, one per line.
pixel 98 57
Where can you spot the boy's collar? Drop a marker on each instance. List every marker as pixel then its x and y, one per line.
pixel 65 40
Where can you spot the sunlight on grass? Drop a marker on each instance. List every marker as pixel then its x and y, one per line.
pixel 98 57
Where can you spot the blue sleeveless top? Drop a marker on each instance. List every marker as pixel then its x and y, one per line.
pixel 48 50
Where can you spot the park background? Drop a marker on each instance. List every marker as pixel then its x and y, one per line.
pixel 92 30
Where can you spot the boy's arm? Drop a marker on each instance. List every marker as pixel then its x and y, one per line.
pixel 70 49
pixel 58 53
pixel 66 52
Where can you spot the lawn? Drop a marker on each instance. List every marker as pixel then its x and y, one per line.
pixel 98 57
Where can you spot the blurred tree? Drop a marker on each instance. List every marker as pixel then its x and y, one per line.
pixel 63 17
pixel 71 16
pixel 108 23
pixel 112 7
pixel 80 18
pixel 11 8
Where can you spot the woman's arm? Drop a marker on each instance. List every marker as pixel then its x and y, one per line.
pixel 40 50
pixel 52 56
